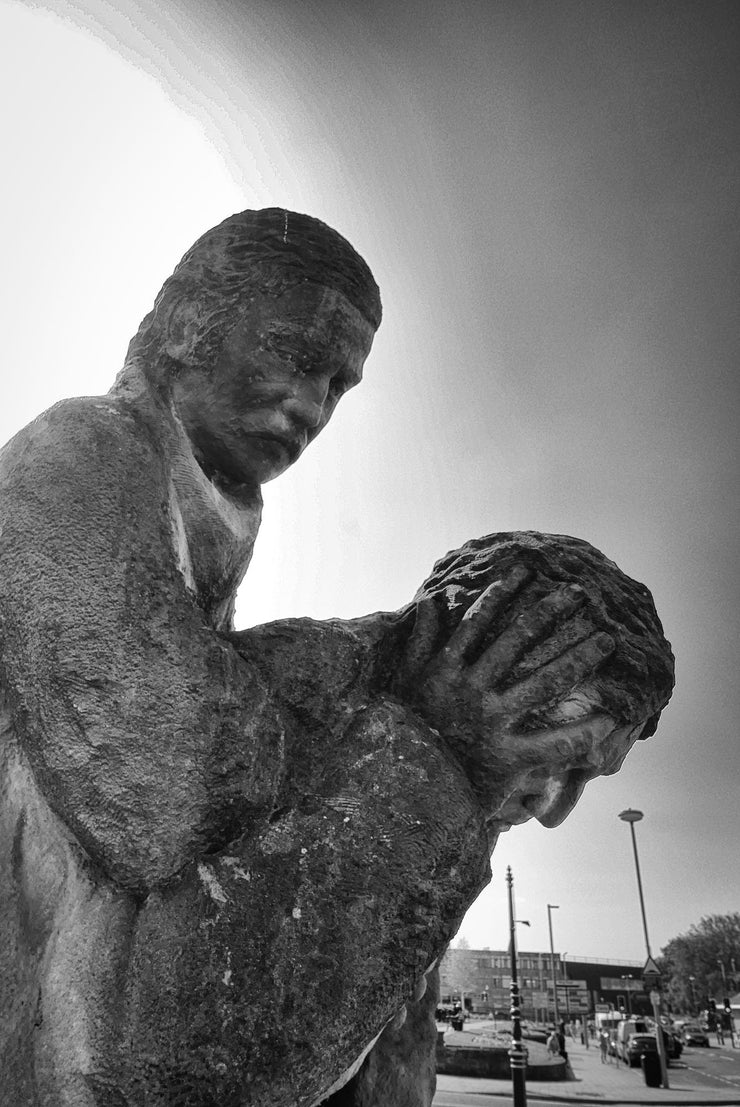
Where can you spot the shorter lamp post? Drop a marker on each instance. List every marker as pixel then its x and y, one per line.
pixel 725 1019
pixel 565 984
pixel 692 996
pixel 550 908
pixel 627 987
pixel 517 1053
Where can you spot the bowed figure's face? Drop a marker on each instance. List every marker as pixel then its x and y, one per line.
pixel 543 777
pixel 275 383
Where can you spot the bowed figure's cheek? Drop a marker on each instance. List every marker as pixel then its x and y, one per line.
pixel 549 791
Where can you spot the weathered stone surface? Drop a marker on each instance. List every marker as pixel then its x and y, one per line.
pixel 636 678
pixel 597 655
pixel 228 858
pixel 401 1068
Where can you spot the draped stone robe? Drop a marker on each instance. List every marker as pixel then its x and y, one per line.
pixel 226 860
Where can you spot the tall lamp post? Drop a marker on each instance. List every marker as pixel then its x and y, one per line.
pixel 517 1053
pixel 550 908
pixel 631 816
pixel 691 994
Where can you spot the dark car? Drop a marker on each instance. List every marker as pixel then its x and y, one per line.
pixel 673 1045
pixel 637 1044
pixel 694 1035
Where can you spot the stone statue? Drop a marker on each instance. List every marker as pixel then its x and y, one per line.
pixel 230 859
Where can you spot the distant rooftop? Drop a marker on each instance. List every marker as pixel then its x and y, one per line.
pixel 571 958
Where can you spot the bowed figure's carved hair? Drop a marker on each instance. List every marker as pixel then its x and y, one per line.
pixel 636 681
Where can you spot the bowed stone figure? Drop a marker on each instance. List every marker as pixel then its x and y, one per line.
pixel 229 859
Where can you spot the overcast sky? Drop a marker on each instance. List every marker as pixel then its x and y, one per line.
pixel 546 192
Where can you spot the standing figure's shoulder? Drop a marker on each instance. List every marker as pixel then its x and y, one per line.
pixel 80 445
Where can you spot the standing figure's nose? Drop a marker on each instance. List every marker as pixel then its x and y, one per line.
pixel 306 406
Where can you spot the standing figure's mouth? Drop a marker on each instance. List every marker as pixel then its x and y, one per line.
pixel 291 442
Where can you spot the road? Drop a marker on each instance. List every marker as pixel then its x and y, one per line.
pixel 714 1072
pixel 717 1067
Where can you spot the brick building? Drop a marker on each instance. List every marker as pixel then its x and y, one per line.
pixel 482 978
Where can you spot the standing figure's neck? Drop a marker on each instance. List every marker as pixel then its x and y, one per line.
pixel 214 533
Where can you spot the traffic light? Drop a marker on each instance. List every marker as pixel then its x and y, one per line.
pixel 711 1014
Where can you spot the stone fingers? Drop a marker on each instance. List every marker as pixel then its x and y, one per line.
pixel 529 628
pixel 572 742
pixel 557 678
pixel 483 614
pixel 422 639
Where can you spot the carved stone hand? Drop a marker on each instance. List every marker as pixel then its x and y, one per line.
pixel 467 688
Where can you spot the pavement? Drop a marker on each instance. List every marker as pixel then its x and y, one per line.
pixel 597 1083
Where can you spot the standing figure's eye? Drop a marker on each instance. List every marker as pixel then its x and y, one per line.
pixel 283 347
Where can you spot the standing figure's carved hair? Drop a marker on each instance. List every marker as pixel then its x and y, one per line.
pixel 268 251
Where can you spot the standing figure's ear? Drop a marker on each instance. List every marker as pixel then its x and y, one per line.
pixel 181 331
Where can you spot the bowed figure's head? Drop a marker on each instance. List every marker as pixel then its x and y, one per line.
pixel 539 767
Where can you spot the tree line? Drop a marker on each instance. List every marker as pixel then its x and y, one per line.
pixel 702 964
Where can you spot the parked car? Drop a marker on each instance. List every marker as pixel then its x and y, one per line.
pixel 694 1035
pixel 534 1033
pixel 636 1045
pixel 673 1045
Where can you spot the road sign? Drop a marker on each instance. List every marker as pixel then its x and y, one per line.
pixel 651 975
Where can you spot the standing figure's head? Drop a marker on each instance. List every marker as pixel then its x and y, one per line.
pixel 263 325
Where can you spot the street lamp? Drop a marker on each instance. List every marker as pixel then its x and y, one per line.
pixel 565 983
pixel 691 994
pixel 627 987
pixel 550 908
pixel 631 816
pixel 517 1053
pixel 521 922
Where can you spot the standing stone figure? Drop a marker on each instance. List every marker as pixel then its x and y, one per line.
pixel 228 860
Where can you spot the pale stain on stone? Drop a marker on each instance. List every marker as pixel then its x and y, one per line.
pixel 236 869
pixel 211 884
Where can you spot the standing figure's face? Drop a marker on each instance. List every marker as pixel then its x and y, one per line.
pixel 278 377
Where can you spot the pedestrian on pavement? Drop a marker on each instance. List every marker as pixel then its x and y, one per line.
pixel 561 1041
pixel 604 1046
pixel 553 1044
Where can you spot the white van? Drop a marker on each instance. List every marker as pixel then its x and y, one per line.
pixel 627 1027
